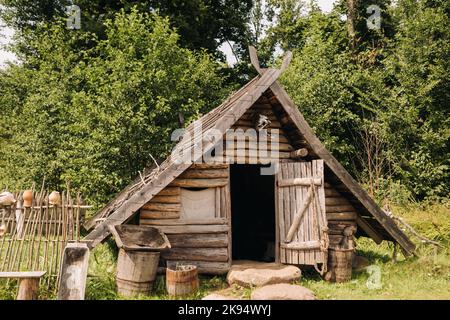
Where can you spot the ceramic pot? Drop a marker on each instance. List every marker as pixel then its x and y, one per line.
pixel 7 198
pixel 54 198
pixel 27 198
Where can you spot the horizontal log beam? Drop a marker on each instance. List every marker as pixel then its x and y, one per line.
pixel 281 138
pixel 248 116
pixel 169 191
pixel 333 201
pixel 341 223
pixel 204 174
pixel 203 267
pixel 172 207
pixel 329 192
pixel 221 228
pixel 308 245
pixel 249 124
pixel 247 160
pixel 206 240
pixel 147 214
pixel 196 254
pixel 341 216
pixel 299 182
pixel 214 221
pixel 339 208
pixel 199 183
pixel 208 166
pixel 258 145
pixel 166 199
pixel 243 152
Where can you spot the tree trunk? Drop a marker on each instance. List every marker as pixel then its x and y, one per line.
pixel 351 21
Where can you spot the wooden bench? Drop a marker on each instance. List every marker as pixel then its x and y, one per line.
pixel 28 283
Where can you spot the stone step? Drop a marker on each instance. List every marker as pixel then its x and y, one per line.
pixel 257 274
pixel 283 291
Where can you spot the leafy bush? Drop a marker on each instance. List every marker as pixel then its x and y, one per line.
pixel 94 112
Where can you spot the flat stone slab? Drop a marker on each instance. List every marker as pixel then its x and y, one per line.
pixel 283 291
pixel 230 293
pixel 258 274
pixel 218 296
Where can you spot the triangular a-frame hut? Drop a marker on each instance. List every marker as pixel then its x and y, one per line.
pixel 268 191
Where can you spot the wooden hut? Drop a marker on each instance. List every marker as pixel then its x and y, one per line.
pixel 231 206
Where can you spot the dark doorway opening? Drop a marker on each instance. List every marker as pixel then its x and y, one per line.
pixel 252 213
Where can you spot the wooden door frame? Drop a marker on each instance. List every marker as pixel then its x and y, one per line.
pixel 277 218
pixel 230 215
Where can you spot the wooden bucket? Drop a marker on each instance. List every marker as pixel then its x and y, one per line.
pixel 182 281
pixel 136 272
pixel 340 263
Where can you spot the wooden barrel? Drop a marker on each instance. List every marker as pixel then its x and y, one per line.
pixel 136 272
pixel 340 263
pixel 182 281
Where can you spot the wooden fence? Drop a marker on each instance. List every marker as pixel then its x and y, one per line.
pixel 34 235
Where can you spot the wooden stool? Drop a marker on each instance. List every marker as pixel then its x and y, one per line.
pixel 28 283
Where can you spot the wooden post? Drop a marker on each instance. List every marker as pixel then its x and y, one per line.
pixel 28 283
pixel 28 289
pixel 20 220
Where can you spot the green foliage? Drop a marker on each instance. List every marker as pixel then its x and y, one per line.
pixel 201 24
pixel 96 116
pixel 88 105
pixel 319 80
pixel 419 68
pixel 380 105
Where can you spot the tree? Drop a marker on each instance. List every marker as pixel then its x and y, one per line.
pixel 201 24
pixel 320 80
pixel 418 71
pixel 97 116
pixel 377 98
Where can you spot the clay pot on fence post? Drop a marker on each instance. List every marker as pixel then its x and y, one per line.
pixel 27 198
pixel 7 199
pixel 54 198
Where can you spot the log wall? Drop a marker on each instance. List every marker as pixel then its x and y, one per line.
pixel 340 214
pixel 204 242
pixel 249 151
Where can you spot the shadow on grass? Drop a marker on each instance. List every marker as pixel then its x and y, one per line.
pixel 373 256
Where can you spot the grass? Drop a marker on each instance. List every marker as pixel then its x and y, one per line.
pixel 424 277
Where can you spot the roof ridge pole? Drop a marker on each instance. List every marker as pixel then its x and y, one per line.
pixel 255 60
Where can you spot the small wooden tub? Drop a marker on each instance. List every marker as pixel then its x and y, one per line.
pixel 182 280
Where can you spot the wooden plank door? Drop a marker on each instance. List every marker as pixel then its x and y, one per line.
pixel 302 224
